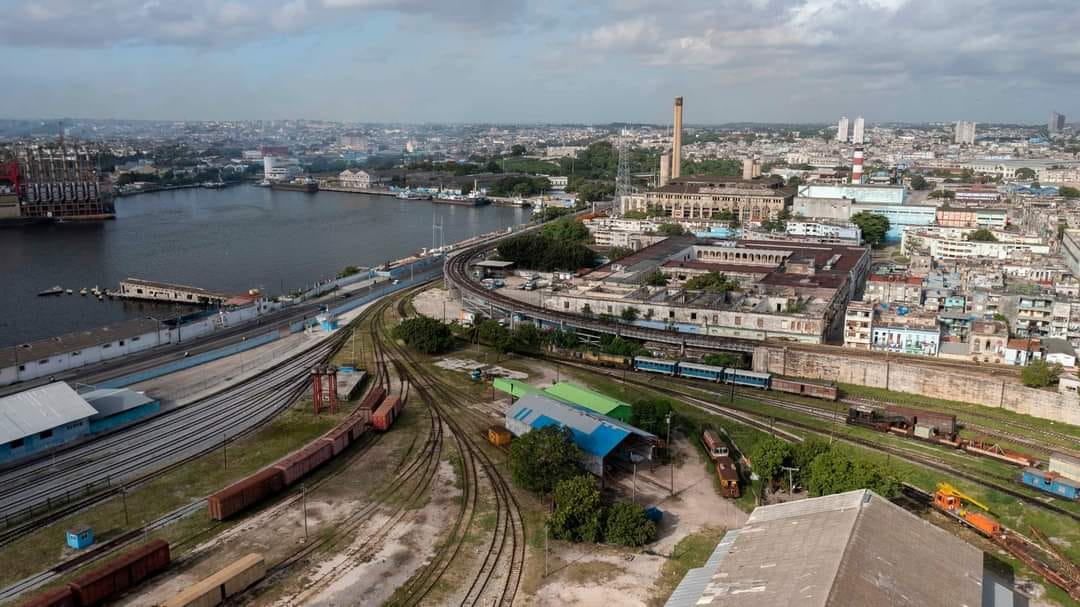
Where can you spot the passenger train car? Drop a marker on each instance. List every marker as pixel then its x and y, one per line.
pixel 731 375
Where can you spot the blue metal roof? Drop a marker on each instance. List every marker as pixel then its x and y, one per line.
pixel 594 433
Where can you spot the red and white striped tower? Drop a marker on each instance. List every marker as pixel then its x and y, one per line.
pixel 856 167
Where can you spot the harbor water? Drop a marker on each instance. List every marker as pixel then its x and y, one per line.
pixel 226 240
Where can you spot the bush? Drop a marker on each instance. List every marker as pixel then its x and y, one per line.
pixel 543 458
pixel 650 415
pixel 578 511
pixel 1039 373
pixel 628 526
pixel 425 335
pixel 837 470
pixel 545 253
pixel 768 456
pixel 724 359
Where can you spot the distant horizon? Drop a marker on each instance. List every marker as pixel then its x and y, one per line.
pixel 554 62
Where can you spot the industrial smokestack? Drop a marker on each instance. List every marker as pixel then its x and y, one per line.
pixel 748 169
pixel 676 141
pixel 856 167
pixel 665 168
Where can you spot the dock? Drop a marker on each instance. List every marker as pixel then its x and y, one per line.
pixel 137 288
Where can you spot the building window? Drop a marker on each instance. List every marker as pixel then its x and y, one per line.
pixel 566 305
pixel 44 434
pixel 76 352
pixel 22 367
pixel 121 342
pixel 15 444
pixel 106 346
pixel 693 316
pixel 671 314
pixel 136 338
pixel 43 361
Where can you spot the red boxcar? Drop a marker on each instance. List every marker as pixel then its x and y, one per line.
pixel 295 465
pixel 358 423
pixel 385 415
pixel 729 476
pixel 373 398
pixel 119 575
pixel 943 423
pixel 57 597
pixel 244 493
pixel 338 437
pixel 805 388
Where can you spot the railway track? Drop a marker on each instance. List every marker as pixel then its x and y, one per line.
pixel 902 454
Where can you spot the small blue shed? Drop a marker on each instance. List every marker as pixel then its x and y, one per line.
pixel 80 537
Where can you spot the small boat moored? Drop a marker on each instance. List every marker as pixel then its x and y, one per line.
pixel 57 290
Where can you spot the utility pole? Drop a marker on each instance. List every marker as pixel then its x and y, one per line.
pixel 303 488
pixel 635 483
pixel 671 460
pixel 547 534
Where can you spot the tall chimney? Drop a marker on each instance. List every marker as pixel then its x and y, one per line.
pixel 676 141
pixel 856 166
pixel 665 168
pixel 747 169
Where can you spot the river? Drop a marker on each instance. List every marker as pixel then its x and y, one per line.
pixel 226 240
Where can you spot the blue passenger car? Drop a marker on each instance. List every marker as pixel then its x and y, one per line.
pixel 1051 483
pixel 750 379
pixel 655 365
pixel 696 371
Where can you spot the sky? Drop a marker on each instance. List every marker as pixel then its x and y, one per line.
pixel 551 61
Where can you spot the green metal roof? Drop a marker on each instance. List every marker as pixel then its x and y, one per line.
pixel 593 401
pixel 514 387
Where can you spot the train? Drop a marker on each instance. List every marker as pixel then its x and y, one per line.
pixel 737 377
pixel 377 410
pixel 114 578
pixel 726 470
pixel 933 427
pixel 1051 482
pixel 219 587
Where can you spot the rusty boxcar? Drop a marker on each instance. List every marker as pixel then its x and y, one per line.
pixel 120 574
pixel 244 493
pixel 57 597
pixel 385 415
pixel 294 466
pixel 227 582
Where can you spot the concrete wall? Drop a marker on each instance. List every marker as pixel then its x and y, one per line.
pixel 897 374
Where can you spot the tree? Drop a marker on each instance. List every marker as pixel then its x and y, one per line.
pixel 526 337
pixel 946 194
pixel 1069 192
pixel 630 314
pixel 873 226
pixel 348 271
pixel 768 456
pixel 495 335
pixel 837 469
pixel 542 458
pixel 918 182
pixel 1024 174
pixel 982 235
pixel 566 229
pixel 578 510
pixel 545 253
pixel 424 334
pixel 656 279
pixel 780 223
pixel 805 452
pixel 617 253
pixel 794 181
pixel 724 359
pixel 650 415
pixel 517 150
pixel 635 215
pixel 670 229
pixel 724 215
pixel 610 344
pixel 712 282
pixel 1039 373
pixel 628 526
pixel 493 167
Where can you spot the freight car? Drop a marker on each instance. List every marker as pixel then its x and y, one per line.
pixel 297 464
pixel 228 582
pixel 372 400
pixel 942 424
pixel 1051 482
pixel 57 597
pixel 804 388
pixel 385 415
pixel 244 493
pixel 607 360
pixel 728 475
pixel 121 574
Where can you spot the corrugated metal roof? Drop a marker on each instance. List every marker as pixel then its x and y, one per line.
pixel 110 401
pixel 593 433
pixel 854 548
pixel 690 589
pixel 32 411
pixel 584 397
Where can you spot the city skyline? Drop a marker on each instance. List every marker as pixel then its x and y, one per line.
pixel 381 61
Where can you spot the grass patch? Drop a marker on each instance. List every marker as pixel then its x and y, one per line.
pixel 592 573
pixel 691 552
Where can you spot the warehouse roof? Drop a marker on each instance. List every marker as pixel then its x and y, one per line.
pixel 584 397
pixel 32 411
pixel 693 585
pixel 110 401
pixel 595 434
pixel 853 548
pixel 79 340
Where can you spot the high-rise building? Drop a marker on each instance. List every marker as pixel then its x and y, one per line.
pixel 1057 122
pixel 841 129
pixel 965 133
pixel 857 134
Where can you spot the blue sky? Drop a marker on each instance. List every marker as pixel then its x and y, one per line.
pixel 554 61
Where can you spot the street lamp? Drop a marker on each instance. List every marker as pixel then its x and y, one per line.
pixel 671 460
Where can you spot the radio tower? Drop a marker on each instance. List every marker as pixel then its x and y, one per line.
pixel 622 177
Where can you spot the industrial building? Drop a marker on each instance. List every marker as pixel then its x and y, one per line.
pixel 570 393
pixel 749 198
pixel 599 437
pixel 137 288
pixel 854 548
pixel 40 419
pixel 47 357
pixel 790 290
pixel 58 182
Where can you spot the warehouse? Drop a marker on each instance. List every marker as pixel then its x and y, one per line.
pixel 593 401
pixel 118 407
pixel 598 437
pixel 854 548
pixel 36 420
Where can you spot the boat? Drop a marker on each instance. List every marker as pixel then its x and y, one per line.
pixel 306 184
pixel 68 291
pixel 413 195
pixel 213 185
pixel 57 290
pixel 83 291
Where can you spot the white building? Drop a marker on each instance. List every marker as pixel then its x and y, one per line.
pixel 278 168
pixel 359 179
pixel 952 243
pixel 842 129
pixel 858 134
pixel 841 233
pixel 965 133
